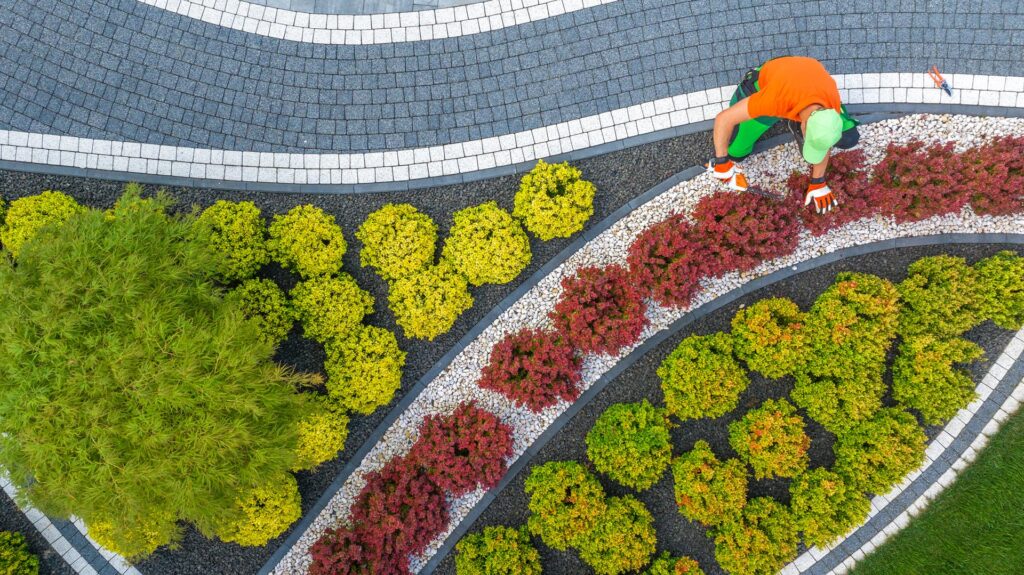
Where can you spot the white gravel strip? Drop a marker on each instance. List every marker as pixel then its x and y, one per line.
pixel 457 382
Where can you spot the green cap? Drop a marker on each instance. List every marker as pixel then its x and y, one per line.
pixel 824 128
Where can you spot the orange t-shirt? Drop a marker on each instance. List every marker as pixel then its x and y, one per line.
pixel 790 84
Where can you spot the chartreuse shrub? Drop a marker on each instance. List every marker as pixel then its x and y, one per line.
pixel 321 436
pixel 630 443
pixel 135 541
pixel 771 440
pixel 265 303
pixel 266 511
pixel 566 501
pixel 149 397
pixel 939 297
pixel 553 201
pixel 924 378
pixel 601 310
pixel 26 216
pixel 707 490
pixel 666 564
pixel 1001 289
pixel 771 337
pixel 364 370
pixel 427 303
pixel 237 234
pixel 397 240
pixel 701 378
pixel 487 245
pixel 533 368
pixel 877 453
pixel 307 240
pixel 497 551
pixel 825 507
pixel 839 403
pixel 760 542
pixel 15 557
pixel 331 307
pixel 622 539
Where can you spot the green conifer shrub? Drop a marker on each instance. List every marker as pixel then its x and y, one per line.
pixel 630 443
pixel 770 336
pixel 397 240
pixel 761 542
pixel 701 378
pixel 268 307
pixel 237 233
pixel 771 440
pixel 553 201
pixel 924 377
pixel 825 507
pixel 427 303
pixel 566 501
pixel 666 564
pixel 497 551
pixel 322 435
pixel 15 556
pixel 307 240
pixel 364 370
pixel 875 455
pixel 1001 289
pixel 939 297
pixel 622 539
pixel 266 511
pixel 839 403
pixel 330 307
pixel 707 490
pixel 487 245
pixel 26 216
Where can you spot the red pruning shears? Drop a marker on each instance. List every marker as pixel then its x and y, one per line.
pixel 940 82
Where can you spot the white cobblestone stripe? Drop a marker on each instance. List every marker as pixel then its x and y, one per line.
pixel 409 165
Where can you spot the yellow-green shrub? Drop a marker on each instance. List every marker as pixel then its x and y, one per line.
pixel 321 436
pixel 397 240
pixel 877 453
pixel 497 551
pixel 364 370
pixel 268 307
pixel 1001 289
pixel 237 233
pixel 26 216
pixel 330 308
pixel 15 556
pixel 700 378
pixel 666 564
pixel 939 297
pixel 140 539
pixel 771 337
pixel 924 378
pixel 761 542
pixel 707 490
pixel 771 440
pixel 825 507
pixel 839 403
pixel 307 240
pixel 487 245
pixel 264 512
pixel 427 303
pixel 622 539
pixel 566 501
pixel 630 443
pixel 553 202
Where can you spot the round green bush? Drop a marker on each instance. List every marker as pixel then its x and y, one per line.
pixel 825 507
pixel 268 307
pixel 771 440
pixel 307 240
pixel 137 540
pixel 630 443
pixel 321 436
pixel 553 202
pixel 666 564
pixel 839 403
pixel 875 455
pixel 237 234
pixel 330 307
pixel 622 539
pixel 397 240
pixel 427 303
pixel 27 216
pixel 761 542
pixel 1001 289
pixel 265 512
pixel 15 556
pixel 497 551
pixel 700 378
pixel 487 245
pixel 939 297
pixel 924 377
pixel 771 337
pixel 566 501
pixel 707 490
pixel 364 370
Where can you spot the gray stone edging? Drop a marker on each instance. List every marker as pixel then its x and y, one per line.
pixel 360 6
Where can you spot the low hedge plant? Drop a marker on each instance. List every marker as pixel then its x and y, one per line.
pixel 321 436
pixel 487 245
pixel 760 542
pixel 533 368
pixel 355 551
pixel 925 379
pixel 771 337
pixel 1001 289
pixel 739 231
pixel 630 443
pixel 364 370
pixel 839 403
pixel 15 556
pixel 771 439
pixel 825 507
pixel 497 551
pixel 666 564
pixel 554 201
pixel 623 538
pixel 237 233
pixel 307 240
pixel 566 502
pixel 707 490
pixel 601 310
pixel 939 297
pixel 266 511
pixel 330 307
pixel 427 303
pixel 26 216
pixel 667 261
pixel 877 453
pixel 701 378
pixel 264 303
pixel 398 240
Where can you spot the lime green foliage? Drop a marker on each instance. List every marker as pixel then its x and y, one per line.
pixel 266 305
pixel 939 298
pixel 839 403
pixel 15 557
pixel 331 307
pixel 875 455
pixel 622 540
pixel 761 542
pixel 771 439
pixel 427 303
pixel 135 541
pixel 1001 289
pixel 486 245
pixel 700 378
pixel 924 378
pixel 26 216
pixel 630 443
pixel 771 337
pixel 397 240
pixel 497 551
pixel 307 240
pixel 825 507
pixel 707 490
pixel 553 202
pixel 666 564
pixel 566 501
pixel 134 392
pixel 321 436
pixel 364 370
pixel 264 512
pixel 237 234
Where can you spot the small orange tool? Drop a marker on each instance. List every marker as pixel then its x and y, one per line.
pixel 940 82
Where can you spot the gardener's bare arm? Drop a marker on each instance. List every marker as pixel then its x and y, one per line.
pixel 725 121
pixel 818 170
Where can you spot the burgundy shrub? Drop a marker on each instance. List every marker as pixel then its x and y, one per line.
pixel 848 180
pixel 345 551
pixel 994 175
pixel 463 450
pixel 533 368
pixel 601 310
pixel 739 231
pixel 666 261
pixel 917 183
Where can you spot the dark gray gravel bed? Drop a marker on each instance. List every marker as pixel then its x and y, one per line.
pixel 640 381
pixel 12 519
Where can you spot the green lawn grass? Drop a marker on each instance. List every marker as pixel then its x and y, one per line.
pixel 975 527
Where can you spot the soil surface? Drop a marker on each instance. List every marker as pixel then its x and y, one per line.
pixel 12 519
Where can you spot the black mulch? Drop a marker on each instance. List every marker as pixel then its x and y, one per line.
pixel 12 519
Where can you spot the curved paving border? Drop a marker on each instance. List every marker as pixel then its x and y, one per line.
pixel 361 6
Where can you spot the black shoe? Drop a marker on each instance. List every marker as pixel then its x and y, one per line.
pixel 798 135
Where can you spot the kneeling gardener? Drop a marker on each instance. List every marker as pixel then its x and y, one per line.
pixel 795 88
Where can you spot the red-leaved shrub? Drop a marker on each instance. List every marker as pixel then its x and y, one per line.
pixel 666 260
pixel 994 174
pixel 345 551
pixel 917 183
pixel 601 310
pixel 848 180
pixel 739 231
pixel 533 368
pixel 463 450
pixel 401 504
